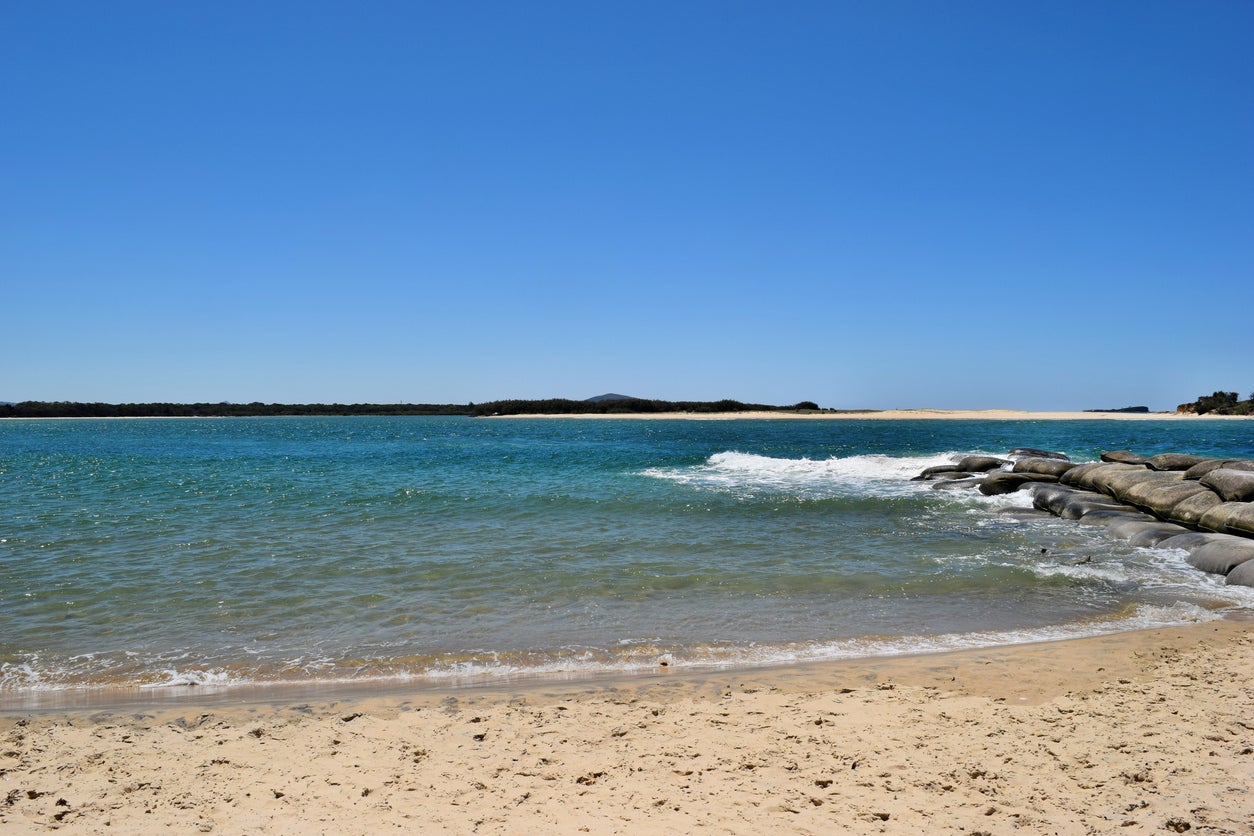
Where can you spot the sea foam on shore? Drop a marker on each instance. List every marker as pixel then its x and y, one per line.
pixel 1137 733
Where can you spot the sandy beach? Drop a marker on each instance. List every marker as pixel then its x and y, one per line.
pixel 1145 732
pixel 900 414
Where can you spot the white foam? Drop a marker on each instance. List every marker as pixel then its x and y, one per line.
pixel 179 679
pixel 650 660
pixel 1111 573
pixel 1179 574
pixel 22 675
pixel 1145 616
pixel 34 674
pixel 640 658
pixel 1001 501
pixel 838 475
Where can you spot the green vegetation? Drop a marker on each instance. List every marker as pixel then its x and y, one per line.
pixel 552 406
pixel 69 409
pixel 1220 403
pixel 626 406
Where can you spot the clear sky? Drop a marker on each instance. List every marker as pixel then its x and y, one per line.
pixel 876 204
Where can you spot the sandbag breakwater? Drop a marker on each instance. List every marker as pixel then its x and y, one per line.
pixel 1202 505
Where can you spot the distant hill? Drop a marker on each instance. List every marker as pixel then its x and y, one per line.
pixel 615 405
pixel 1219 403
pixel 610 397
pixel 605 404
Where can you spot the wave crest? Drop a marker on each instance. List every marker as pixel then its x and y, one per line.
pixel 869 475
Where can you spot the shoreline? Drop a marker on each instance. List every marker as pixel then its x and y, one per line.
pixel 899 414
pixel 1131 731
pixel 912 667
pixel 196 692
pixel 1135 731
pixel 842 415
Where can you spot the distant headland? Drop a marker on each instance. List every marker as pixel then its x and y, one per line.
pixel 600 405
pixel 608 405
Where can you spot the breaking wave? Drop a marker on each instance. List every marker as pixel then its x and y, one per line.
pixel 865 475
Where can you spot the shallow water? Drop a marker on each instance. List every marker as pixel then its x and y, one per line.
pixel 435 550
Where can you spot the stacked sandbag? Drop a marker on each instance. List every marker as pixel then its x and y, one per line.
pixel 1084 475
pixel 1221 553
pixel 1200 504
pixel 969 470
pixel 1231 484
pixel 1200 469
pixel 1173 461
pixel 1122 457
pixel 1043 466
pixel 1230 518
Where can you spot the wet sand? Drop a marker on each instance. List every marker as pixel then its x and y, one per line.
pixel 1135 733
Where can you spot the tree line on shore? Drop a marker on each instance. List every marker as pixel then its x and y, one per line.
pixel 627 406
pixel 550 406
pixel 72 409
pixel 1220 403
pixel 1217 403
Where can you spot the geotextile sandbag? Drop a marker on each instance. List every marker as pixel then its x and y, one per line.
pixel 1242 575
pixel 1106 516
pixel 1188 541
pixel 1189 511
pixel 1122 457
pixel 1007 482
pixel 1046 495
pixel 1200 469
pixel 1230 518
pixel 980 464
pixel 957 484
pixel 1046 467
pixel 1222 556
pixel 1079 507
pixel 1032 452
pixel 1173 461
pixel 1231 484
pixel 1122 484
pixel 1160 498
pixel 1150 535
pixel 1083 475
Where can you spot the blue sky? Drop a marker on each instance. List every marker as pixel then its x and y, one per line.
pixel 878 204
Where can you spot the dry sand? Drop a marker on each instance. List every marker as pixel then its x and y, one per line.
pixel 1146 732
pixel 898 414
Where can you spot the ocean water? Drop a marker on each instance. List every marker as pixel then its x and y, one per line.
pixel 154 554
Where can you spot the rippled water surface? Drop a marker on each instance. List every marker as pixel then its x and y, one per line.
pixel 150 552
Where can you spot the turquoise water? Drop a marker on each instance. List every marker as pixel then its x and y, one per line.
pixel 147 553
